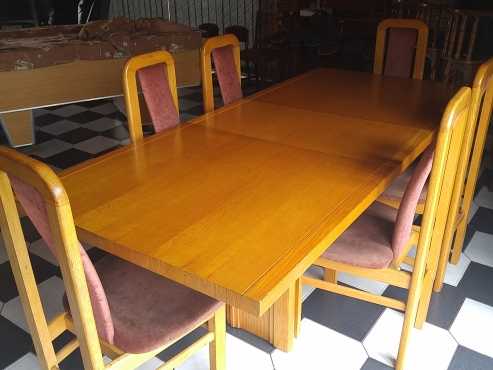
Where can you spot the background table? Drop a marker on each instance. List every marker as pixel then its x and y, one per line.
pixel 23 91
pixel 240 202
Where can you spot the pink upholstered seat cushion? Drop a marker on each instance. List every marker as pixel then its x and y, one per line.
pixel 368 241
pixel 381 234
pixel 157 94
pixel 149 311
pixel 401 51
pixel 227 74
pixel 398 187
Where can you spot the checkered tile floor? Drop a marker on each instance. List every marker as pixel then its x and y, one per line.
pixel 337 332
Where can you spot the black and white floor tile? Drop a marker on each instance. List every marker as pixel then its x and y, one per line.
pixel 337 332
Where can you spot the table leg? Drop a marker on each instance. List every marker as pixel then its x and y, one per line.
pixel 279 325
pixel 19 127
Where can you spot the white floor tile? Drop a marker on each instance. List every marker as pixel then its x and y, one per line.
pixel 472 327
pixel 319 347
pixel 103 124
pixel 152 364
pixel 239 356
pixel 484 198
pixel 480 248
pixel 51 292
pixel 429 348
pixel 371 286
pixel 454 273
pixel 50 148
pixel 472 211
pixel 97 144
pixel 26 362
pixel 40 249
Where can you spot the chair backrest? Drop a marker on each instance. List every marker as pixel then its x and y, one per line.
pixel 156 74
pixel 443 172
pixel 225 50
pixel 400 49
pixel 209 30
pixel 45 201
pixel 474 139
pixel 241 33
pixel 409 202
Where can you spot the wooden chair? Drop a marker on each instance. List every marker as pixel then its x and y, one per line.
pixel 468 169
pixel 106 306
pixel 458 59
pixel 467 174
pixel 156 74
pixel 365 248
pixel 401 48
pixel 243 36
pixel 225 50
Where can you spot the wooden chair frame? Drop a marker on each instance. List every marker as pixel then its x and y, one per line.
pixel 81 320
pixel 468 170
pixel 428 237
pixel 421 46
pixel 206 65
pixel 131 91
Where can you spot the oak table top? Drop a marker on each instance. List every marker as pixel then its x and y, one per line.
pixel 240 202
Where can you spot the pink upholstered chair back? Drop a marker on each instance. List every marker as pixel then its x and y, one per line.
pixel 34 206
pixel 227 74
pixel 157 94
pixel 410 199
pixel 400 53
pixel 401 48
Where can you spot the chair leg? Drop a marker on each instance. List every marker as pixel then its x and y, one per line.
pixel 330 275
pixel 448 238
pixel 407 327
pixel 460 235
pixel 217 353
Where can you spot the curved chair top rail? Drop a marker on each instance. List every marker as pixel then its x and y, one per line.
pixel 131 90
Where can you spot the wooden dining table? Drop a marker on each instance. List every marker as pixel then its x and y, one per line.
pixel 239 203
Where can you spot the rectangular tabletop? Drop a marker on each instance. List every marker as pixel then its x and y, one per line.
pixel 240 214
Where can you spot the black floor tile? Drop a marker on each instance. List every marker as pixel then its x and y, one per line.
pixel 465 359
pixel 117 115
pixel 444 306
pixel 41 137
pixel 15 342
pixel 117 133
pixel 342 314
pixel 43 270
pixel 195 111
pixel 476 283
pixel 372 364
pixel 95 254
pixel 182 344
pixel 46 119
pixel 93 103
pixel 483 220
pixel 68 158
pixel 85 117
pixel 77 135
pixel 30 232
pixel 467 239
